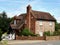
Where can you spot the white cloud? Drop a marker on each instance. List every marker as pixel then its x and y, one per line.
pixel 22 4
pixel 12 14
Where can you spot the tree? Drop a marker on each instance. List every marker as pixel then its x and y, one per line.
pixel 4 15
pixel 57 26
pixel 0 34
pixel 4 22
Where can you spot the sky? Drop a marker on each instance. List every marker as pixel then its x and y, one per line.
pixel 16 7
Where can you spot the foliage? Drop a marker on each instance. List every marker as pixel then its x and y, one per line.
pixel 4 22
pixel 4 14
pixel 47 33
pixel 27 32
pixel 57 26
pixel 55 33
pixel 0 34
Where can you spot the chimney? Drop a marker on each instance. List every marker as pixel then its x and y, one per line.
pixel 28 8
pixel 28 16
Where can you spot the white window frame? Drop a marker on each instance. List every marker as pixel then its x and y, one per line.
pixel 14 22
pixel 50 23
pixel 40 23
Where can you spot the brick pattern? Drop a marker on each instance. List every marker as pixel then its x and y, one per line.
pixel 29 38
pixel 52 37
pixel 30 20
pixel 44 27
pixel 32 23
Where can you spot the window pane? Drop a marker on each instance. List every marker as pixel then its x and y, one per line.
pixel 40 23
pixel 15 22
pixel 50 23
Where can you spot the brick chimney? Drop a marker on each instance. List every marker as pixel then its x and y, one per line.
pixel 28 8
pixel 28 16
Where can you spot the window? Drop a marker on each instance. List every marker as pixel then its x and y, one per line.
pixel 50 23
pixel 15 22
pixel 40 23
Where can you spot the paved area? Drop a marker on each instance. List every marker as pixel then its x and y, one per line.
pixel 24 41
pixel 36 43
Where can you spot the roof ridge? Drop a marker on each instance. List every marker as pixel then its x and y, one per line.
pixel 22 14
pixel 41 11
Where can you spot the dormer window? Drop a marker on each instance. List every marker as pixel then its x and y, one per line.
pixel 40 23
pixel 14 22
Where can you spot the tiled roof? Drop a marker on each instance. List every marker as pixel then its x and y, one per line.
pixel 43 15
pixel 20 16
pixel 39 15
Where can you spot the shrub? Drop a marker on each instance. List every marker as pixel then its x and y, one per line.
pixel 47 33
pixel 33 34
pixel 26 32
pixel 56 33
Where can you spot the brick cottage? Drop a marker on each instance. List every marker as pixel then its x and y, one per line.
pixel 35 21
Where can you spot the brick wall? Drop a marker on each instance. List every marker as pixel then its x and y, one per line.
pixel 30 20
pixel 44 27
pixel 29 38
pixel 52 37
pixel 37 38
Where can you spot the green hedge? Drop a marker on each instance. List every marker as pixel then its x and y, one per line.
pixel 47 33
pixel 26 32
pixel 55 33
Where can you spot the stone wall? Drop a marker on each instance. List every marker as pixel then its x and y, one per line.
pixel 52 37
pixel 42 26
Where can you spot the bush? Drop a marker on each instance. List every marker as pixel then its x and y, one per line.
pixel 56 33
pixel 0 34
pixel 26 32
pixel 47 33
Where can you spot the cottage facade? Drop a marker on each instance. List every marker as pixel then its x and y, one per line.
pixel 35 21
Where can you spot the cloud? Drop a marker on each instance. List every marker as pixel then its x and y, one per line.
pixel 16 7
pixel 58 19
pixel 12 14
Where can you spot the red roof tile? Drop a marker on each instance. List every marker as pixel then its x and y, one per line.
pixel 43 15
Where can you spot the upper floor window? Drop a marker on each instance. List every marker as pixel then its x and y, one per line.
pixel 50 23
pixel 15 22
pixel 40 23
